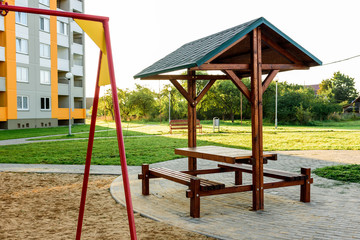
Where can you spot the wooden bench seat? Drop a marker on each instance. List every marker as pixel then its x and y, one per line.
pixel 184 178
pixel 179 124
pixel 287 176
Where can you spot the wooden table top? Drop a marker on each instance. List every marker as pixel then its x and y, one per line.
pixel 220 154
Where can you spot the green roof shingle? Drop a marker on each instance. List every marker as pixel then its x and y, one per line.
pixel 197 52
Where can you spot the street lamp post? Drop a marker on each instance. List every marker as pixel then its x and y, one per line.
pixel 276 93
pixel 69 76
pixel 169 89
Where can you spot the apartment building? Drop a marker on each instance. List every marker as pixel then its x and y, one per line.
pixel 36 52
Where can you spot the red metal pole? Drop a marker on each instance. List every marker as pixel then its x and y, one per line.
pixel 120 138
pixel 88 154
pixel 53 13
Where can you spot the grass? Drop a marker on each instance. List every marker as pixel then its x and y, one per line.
pixel 344 173
pixel 36 132
pixel 147 148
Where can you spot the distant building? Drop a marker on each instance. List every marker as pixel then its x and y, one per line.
pixel 316 87
pixel 36 51
pixel 354 106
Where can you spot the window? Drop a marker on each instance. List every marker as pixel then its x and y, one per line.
pixel 21 45
pixel 22 103
pixel 44 77
pixel 44 24
pixel 44 50
pixel 45 103
pixel 62 28
pixel 21 18
pixel 22 74
pixel 44 2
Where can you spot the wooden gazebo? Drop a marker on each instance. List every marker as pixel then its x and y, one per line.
pixel 252 49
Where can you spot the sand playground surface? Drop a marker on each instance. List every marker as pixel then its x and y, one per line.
pixel 45 206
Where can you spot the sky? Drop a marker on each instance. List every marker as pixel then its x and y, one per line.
pixel 144 31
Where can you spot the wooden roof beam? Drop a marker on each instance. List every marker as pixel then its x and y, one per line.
pixel 279 49
pixel 186 77
pixel 268 80
pixel 239 84
pixel 183 92
pixel 233 66
pixel 204 91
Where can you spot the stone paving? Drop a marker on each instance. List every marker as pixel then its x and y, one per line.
pixel 333 212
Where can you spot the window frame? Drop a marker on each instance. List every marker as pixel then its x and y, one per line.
pixel 46 26
pixel 22 102
pixel 17 74
pixel 46 104
pixel 42 45
pixel 21 45
pixel 21 18
pixel 65 28
pixel 42 77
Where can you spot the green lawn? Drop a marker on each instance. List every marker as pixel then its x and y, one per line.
pixel 148 148
pixel 345 173
pixel 36 132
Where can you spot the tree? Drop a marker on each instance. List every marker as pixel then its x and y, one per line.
pixel 143 101
pixel 339 88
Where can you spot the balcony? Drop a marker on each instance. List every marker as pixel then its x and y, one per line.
pixel 63 64
pixel 75 27
pixel 77 5
pixel 63 89
pixel 77 70
pixel 78 92
pixel 63 40
pixel 2 26
pixel 77 48
pixel 2 84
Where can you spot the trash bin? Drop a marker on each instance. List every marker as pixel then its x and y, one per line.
pixel 216 124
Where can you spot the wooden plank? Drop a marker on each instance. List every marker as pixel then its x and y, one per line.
pixel 238 83
pixel 287 176
pixel 268 80
pixel 183 92
pixel 305 188
pixel 255 119
pixel 192 163
pixel 231 189
pixel 186 77
pixel 204 91
pixel 145 179
pixel 279 49
pixel 195 199
pixel 268 66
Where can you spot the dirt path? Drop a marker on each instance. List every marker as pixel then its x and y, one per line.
pixel 340 156
pixel 45 206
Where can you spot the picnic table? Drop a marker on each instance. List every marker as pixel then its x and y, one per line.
pixel 230 160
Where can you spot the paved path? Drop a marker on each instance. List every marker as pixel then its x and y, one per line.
pixel 333 212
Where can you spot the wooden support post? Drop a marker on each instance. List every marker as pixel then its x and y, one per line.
pixel 145 179
pixel 192 164
pixel 238 177
pixel 305 188
pixel 256 121
pixel 195 198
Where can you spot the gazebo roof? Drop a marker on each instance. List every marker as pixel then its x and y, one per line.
pixel 232 46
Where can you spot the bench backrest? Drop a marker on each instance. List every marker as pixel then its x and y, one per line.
pixel 182 122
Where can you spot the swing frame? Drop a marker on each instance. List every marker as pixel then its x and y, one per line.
pixel 5 8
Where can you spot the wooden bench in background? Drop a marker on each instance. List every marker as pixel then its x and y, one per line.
pixel 183 124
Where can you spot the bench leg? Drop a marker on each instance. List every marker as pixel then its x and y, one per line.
pixel 238 177
pixel 145 179
pixel 305 188
pixel 195 199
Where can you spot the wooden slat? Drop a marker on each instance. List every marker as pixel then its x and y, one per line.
pixel 247 67
pixel 184 178
pixel 287 176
